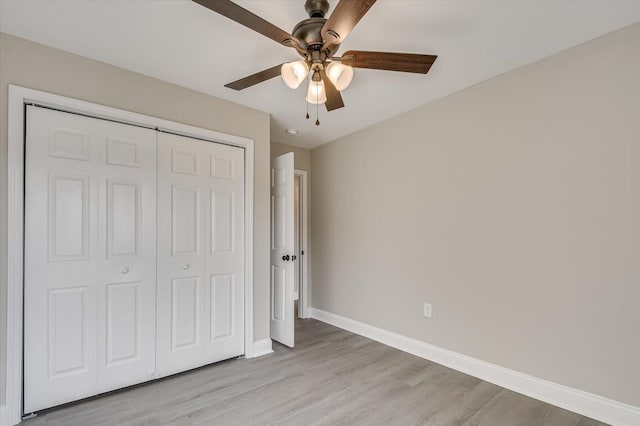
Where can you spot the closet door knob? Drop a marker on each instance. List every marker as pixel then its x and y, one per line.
pixel 185 266
pixel 285 258
pixel 125 270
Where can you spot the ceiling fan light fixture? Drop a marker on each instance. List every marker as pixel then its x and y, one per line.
pixel 294 73
pixel 340 75
pixel 316 94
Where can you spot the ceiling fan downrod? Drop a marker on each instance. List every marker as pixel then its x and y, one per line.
pixel 316 8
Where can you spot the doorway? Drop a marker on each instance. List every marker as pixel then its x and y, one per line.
pixel 289 264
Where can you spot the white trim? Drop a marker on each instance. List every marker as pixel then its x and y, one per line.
pixel 248 240
pixel 304 301
pixel 587 404
pixel 18 96
pixel 15 224
pixel 260 348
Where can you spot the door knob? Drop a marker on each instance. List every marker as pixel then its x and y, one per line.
pixel 125 270
pixel 294 257
pixel 185 266
pixel 286 257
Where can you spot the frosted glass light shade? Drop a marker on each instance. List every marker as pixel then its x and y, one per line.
pixel 294 73
pixel 340 75
pixel 316 93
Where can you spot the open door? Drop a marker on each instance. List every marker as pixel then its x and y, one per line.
pixel 282 250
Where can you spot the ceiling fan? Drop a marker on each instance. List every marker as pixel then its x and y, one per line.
pixel 317 40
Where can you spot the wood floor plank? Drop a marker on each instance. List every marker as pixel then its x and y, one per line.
pixel 332 377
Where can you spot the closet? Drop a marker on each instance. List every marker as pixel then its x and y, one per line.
pixel 134 256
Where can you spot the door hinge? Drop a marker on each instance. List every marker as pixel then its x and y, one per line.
pixel 302 253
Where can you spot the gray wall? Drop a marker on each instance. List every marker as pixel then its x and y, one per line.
pixel 38 67
pixel 512 206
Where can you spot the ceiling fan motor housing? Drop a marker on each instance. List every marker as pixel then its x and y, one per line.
pixel 308 31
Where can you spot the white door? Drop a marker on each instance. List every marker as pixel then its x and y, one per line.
pixel 200 253
pixel 282 250
pixel 126 310
pixel 89 257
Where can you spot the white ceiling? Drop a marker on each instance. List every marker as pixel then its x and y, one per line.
pixel 184 43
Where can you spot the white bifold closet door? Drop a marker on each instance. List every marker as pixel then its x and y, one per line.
pixel 200 253
pixel 90 257
pixel 134 255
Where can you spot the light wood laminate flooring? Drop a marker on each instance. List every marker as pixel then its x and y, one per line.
pixel 331 377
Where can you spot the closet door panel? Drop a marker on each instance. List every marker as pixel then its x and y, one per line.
pixel 225 252
pixel 127 251
pixel 200 253
pixel 61 261
pixel 180 261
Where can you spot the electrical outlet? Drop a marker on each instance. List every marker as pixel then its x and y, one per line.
pixel 427 310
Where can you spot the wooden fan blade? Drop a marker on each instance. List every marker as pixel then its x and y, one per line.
pixel 334 98
pixel 256 78
pixel 342 20
pixel 405 62
pixel 244 17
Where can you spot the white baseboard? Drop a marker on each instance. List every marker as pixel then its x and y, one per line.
pixel 260 348
pixel 581 402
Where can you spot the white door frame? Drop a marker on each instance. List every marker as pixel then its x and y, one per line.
pixel 303 302
pixel 18 97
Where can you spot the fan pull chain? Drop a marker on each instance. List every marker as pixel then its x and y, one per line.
pixel 317 103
